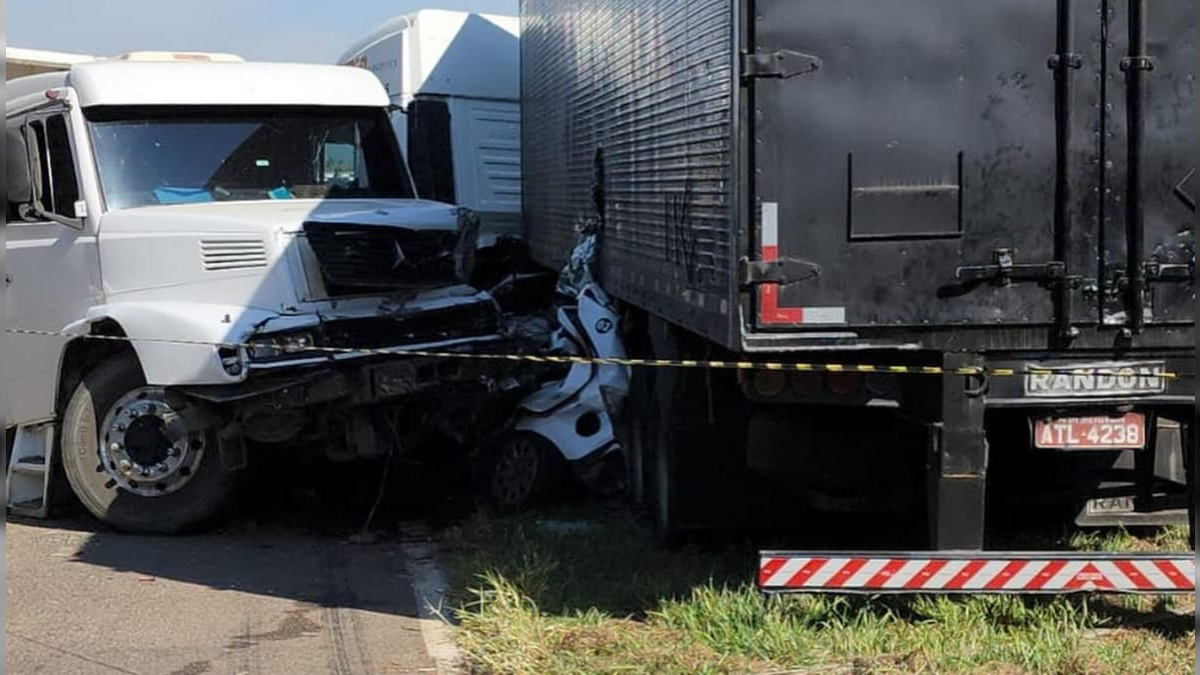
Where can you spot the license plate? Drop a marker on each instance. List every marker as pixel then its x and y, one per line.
pixel 1091 433
pixel 1108 506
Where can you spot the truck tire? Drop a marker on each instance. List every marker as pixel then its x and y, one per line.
pixel 697 428
pixel 674 428
pixel 636 435
pixel 151 475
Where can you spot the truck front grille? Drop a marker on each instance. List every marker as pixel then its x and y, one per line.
pixel 360 259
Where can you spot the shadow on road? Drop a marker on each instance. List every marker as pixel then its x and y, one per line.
pixel 299 534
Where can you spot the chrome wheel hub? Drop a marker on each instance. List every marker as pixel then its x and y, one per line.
pixel 145 444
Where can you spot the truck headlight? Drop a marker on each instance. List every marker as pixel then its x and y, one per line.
pixel 273 347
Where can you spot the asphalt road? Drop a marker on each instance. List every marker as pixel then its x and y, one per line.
pixel 280 592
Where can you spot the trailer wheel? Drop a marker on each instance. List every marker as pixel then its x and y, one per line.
pixel 675 426
pixel 136 460
pixel 697 426
pixel 638 437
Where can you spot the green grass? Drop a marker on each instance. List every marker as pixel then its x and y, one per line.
pixel 609 600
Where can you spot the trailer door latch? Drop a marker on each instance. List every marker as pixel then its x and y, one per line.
pixel 783 272
pixel 780 65
pixel 1004 271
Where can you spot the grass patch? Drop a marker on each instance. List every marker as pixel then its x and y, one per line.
pixel 577 592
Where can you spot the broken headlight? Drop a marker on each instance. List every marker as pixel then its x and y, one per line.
pixel 284 345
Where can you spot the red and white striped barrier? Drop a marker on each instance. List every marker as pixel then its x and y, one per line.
pixel 977 573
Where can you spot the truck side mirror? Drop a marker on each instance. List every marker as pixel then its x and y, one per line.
pixel 16 166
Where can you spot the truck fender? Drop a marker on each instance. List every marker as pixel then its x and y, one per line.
pixel 177 343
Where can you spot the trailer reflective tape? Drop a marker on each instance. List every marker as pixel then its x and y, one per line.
pixel 1175 574
pixel 928 569
pixel 980 573
pixel 1043 577
pixel 1010 571
pixel 1134 575
pixel 968 572
pixel 1027 575
pixel 885 575
pixel 906 574
pixel 317 352
pixel 826 572
pixel 770 311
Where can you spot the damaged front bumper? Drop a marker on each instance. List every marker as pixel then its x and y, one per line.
pixel 451 319
pixel 366 381
pixel 358 355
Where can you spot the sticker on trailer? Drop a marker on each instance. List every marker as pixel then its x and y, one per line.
pixel 980 573
pixel 769 310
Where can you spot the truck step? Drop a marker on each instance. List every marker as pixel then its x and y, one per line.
pixel 28 479
pixel 33 508
pixel 977 573
pixel 31 466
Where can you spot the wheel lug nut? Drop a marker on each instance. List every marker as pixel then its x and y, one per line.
pixel 144 472
pixel 125 465
pixel 114 447
pixel 173 452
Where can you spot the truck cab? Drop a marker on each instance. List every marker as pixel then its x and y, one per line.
pixel 203 255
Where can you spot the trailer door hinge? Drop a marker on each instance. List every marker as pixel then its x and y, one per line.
pixel 780 65
pixel 783 272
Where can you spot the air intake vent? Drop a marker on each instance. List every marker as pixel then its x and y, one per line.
pixel 220 255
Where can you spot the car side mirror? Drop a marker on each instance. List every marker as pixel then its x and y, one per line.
pixel 18 187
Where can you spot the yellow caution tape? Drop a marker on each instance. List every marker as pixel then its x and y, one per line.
pixel 970 371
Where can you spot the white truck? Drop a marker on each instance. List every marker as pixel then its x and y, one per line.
pixel 199 252
pixel 454 81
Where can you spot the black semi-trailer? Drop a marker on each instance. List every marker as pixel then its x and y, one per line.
pixel 1003 188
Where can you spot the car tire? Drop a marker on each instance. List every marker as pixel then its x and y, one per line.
pixel 525 470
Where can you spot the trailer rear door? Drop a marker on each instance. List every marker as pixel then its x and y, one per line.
pixel 940 163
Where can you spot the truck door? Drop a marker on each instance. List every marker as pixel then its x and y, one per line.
pixel 936 163
pixel 52 275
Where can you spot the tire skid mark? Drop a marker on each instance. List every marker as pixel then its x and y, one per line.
pixel 343 633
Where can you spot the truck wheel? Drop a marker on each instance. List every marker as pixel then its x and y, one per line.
pixel 676 431
pixel 525 469
pixel 697 423
pixel 675 417
pixel 137 461
pixel 637 437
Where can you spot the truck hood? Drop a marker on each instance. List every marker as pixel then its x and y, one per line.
pixel 272 216
pixel 256 253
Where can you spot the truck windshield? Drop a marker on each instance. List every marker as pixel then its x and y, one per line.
pixel 151 155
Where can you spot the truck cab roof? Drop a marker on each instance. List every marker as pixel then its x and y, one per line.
pixel 135 82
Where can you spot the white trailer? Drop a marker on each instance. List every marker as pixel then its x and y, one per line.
pixel 454 82
pixel 20 62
